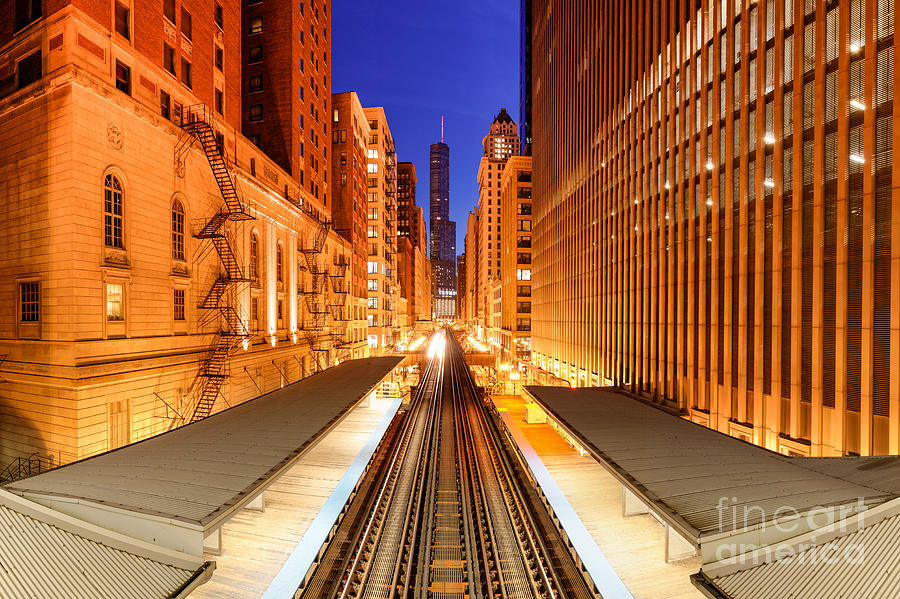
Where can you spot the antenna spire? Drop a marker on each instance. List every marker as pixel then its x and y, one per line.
pixel 442 128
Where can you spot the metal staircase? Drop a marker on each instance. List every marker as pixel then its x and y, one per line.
pixel 316 328
pixel 197 124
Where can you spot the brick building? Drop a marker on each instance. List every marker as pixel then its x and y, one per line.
pixel 500 143
pixel 349 139
pixel 515 256
pixel 286 86
pixel 381 232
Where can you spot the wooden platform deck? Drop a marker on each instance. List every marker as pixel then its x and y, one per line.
pixel 255 545
pixel 634 546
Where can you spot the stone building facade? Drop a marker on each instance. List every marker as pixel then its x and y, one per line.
pixel 113 252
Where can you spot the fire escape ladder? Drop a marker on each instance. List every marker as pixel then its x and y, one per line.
pixel 197 123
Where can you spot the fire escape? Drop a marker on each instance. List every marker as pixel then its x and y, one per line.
pixel 197 124
pixel 316 329
pixel 339 308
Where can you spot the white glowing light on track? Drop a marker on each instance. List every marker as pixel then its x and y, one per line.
pixel 436 347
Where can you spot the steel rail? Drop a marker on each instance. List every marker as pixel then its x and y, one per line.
pixel 447 508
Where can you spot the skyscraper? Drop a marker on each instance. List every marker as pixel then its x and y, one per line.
pixel 716 229
pixel 525 77
pixel 499 145
pixel 443 233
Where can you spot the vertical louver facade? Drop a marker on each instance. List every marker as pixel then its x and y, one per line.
pixel 716 225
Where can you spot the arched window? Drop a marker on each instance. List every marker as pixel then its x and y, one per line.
pixel 112 213
pixel 279 263
pixel 177 231
pixel 254 257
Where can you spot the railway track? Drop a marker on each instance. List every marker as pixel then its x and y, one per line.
pixel 446 508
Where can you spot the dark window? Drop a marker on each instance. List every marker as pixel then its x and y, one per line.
pixel 123 77
pixel 29 69
pixel 122 16
pixel 177 231
pixel 29 301
pixel 218 53
pixel 186 72
pixel 343 158
pixel 255 83
pixel 112 213
pixel 186 23
pixel 255 24
pixel 255 54
pixel 255 139
pixel 176 112
pixel 343 179
pixel 217 14
pixel 220 101
pixel 256 113
pixel 279 264
pixel 169 58
pixel 254 259
pixel 27 11
pixel 165 104
pixel 178 303
pixel 169 9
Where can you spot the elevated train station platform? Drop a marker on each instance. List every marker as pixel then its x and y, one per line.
pixel 259 471
pixel 683 511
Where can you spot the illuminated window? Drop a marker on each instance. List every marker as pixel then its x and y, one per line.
pixel 178 304
pixel 177 231
pixel 115 302
pixel 523 274
pixel 256 25
pixel 373 267
pixel 112 213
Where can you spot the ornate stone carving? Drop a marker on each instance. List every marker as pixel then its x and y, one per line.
pixel 179 167
pixel 114 136
pixel 114 257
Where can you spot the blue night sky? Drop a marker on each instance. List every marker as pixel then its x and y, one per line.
pixel 421 59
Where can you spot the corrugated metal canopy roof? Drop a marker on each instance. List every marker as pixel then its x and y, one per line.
pixel 687 470
pixel 46 554
pixel 858 558
pixel 201 472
